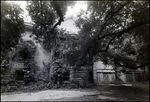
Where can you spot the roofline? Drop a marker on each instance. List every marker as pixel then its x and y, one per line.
pixel 28 26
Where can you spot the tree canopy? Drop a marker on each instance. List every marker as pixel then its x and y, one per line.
pixel 47 15
pixel 12 25
pixel 116 31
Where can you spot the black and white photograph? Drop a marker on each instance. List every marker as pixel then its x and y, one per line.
pixel 75 50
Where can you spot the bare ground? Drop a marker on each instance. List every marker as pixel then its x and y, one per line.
pixel 136 92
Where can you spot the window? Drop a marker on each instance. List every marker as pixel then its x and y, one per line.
pixel 91 76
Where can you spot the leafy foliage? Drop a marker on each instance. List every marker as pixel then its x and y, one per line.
pixel 45 15
pixel 116 31
pixel 12 25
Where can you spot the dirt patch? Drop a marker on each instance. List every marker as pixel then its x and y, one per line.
pixel 99 93
pixel 15 86
pixel 126 93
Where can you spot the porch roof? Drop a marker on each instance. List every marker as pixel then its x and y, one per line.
pixel 105 71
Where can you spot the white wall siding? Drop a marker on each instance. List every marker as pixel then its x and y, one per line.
pixel 106 74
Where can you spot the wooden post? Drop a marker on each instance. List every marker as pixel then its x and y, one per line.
pixel 133 76
pixel 101 77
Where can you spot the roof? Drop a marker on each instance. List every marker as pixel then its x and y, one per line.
pixel 28 26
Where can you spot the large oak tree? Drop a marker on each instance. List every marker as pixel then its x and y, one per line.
pixel 116 31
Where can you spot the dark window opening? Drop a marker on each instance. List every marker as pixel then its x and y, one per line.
pixel 19 75
pixel 129 77
pixel 57 53
pixel 66 76
pixel 132 53
pixel 25 54
pixel 138 77
pixel 91 76
pixel 63 39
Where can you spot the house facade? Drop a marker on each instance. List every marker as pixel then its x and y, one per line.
pixel 19 56
pixel 103 74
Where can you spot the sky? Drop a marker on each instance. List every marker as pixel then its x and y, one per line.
pixel 70 16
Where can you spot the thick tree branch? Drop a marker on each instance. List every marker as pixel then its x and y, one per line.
pixel 136 67
pixel 126 29
pixel 125 61
pixel 115 35
pixel 110 42
pixel 102 58
pixel 111 17
pixel 59 12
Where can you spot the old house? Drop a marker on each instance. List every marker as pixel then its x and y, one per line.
pixel 20 55
pixel 64 43
pixel 98 73
pixel 106 74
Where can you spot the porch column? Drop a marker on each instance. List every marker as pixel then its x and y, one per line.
pixel 133 76
pixel 101 78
